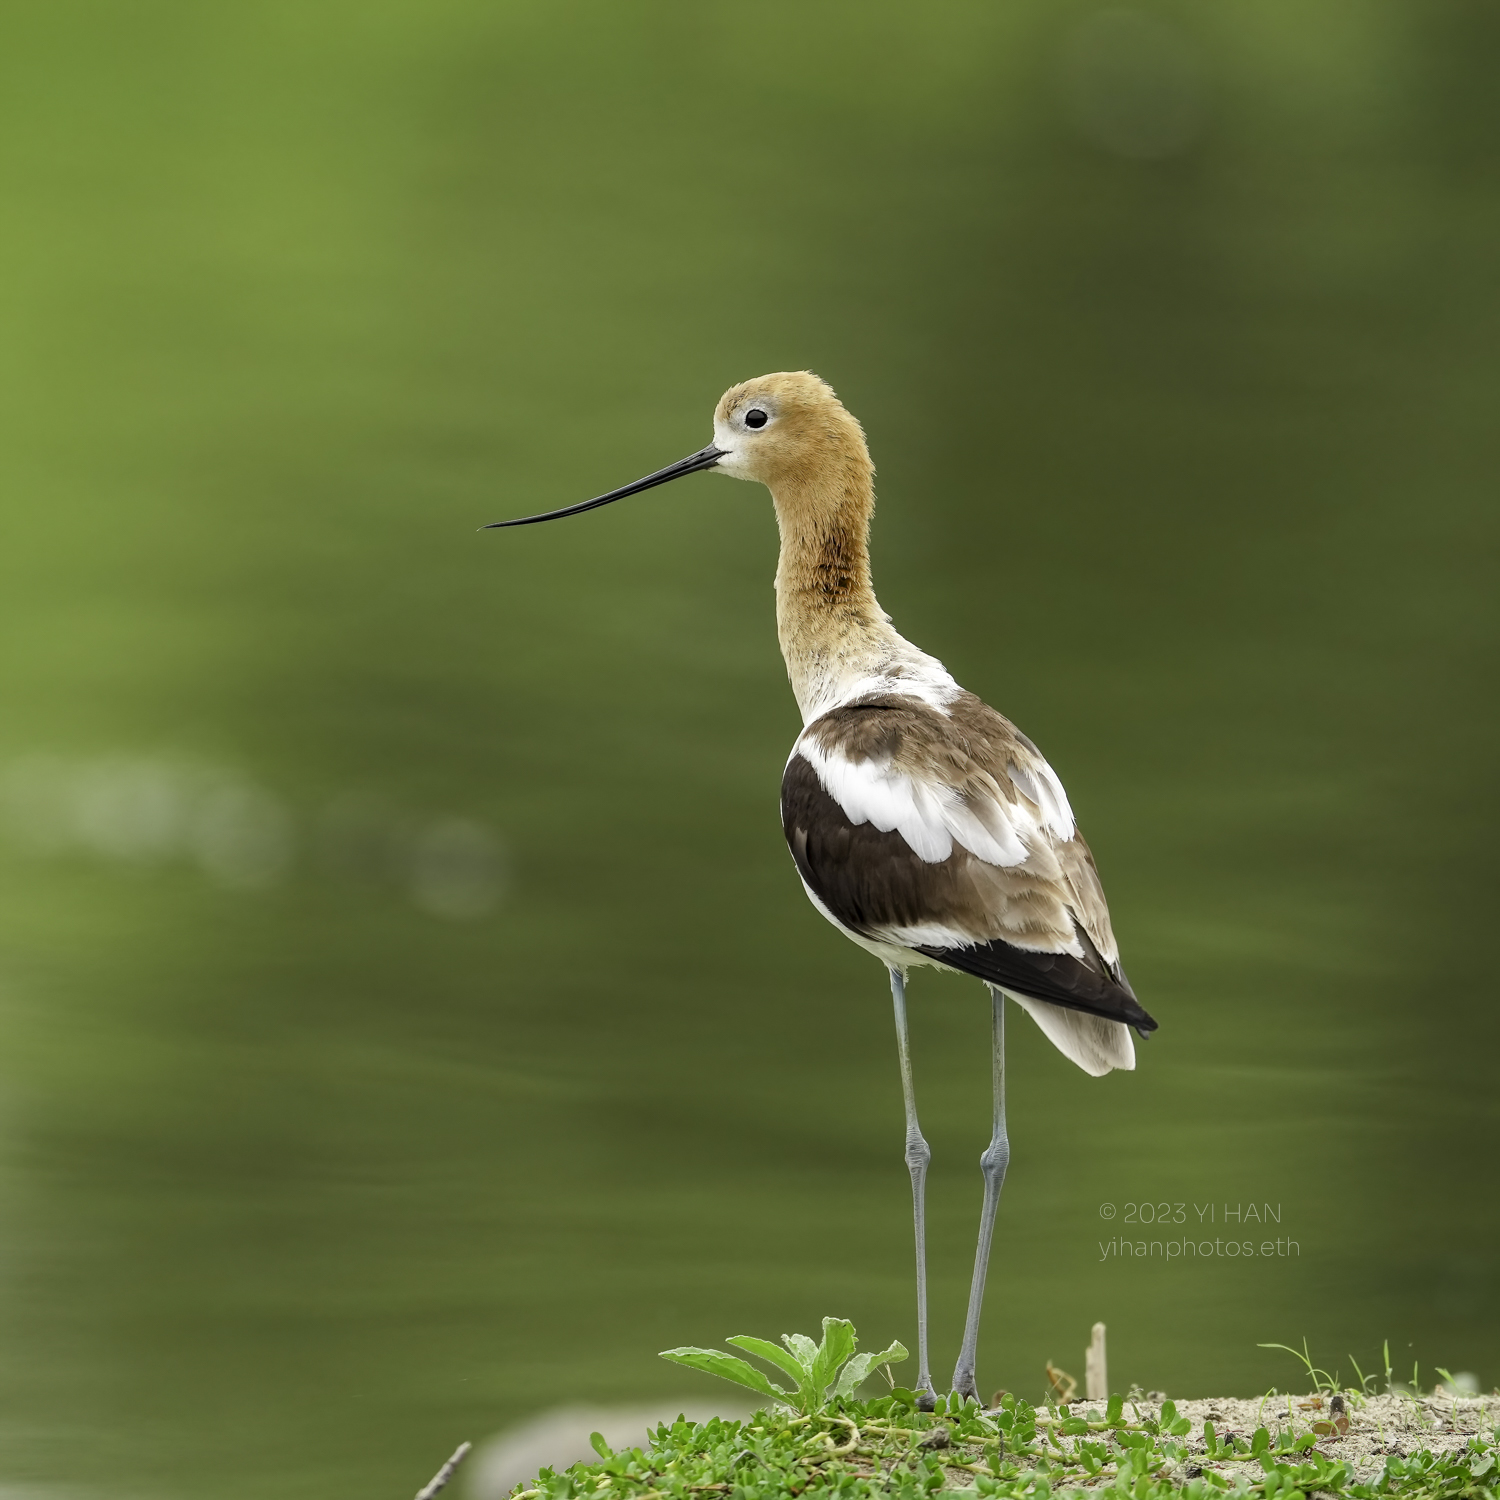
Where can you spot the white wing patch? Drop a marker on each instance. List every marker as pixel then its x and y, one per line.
pixel 1041 786
pixel 933 817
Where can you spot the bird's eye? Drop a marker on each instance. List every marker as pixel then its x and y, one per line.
pixel 755 417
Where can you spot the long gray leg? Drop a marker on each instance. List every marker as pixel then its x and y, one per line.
pixel 992 1164
pixel 918 1154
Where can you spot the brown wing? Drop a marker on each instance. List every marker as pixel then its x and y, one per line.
pixel 1038 926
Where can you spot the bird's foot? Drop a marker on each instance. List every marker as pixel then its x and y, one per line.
pixel 964 1385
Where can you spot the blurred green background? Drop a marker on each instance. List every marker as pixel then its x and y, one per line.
pixel 409 1016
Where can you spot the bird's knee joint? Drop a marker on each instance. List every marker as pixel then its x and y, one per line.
pixel 995 1160
pixel 918 1153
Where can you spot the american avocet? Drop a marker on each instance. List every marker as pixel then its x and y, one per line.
pixel 925 826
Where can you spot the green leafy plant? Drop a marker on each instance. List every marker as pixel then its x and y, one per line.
pixel 821 1371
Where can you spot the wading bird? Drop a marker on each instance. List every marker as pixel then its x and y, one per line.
pixel 925 826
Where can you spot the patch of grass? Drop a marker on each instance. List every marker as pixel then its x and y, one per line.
pixel 818 1440
pixel 846 1449
pixel 887 1448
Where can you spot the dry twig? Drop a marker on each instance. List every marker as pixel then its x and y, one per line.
pixel 444 1474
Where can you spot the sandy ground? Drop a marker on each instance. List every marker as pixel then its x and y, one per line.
pixel 1383 1425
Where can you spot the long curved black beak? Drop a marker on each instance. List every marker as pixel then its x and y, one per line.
pixel 704 458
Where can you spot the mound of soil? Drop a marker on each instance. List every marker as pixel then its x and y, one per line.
pixel 1363 1435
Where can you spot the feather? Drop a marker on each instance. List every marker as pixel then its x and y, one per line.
pixel 1095 1044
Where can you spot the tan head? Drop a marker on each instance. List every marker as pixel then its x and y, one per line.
pixel 788 431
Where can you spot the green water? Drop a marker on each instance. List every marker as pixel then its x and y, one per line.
pixel 409 1015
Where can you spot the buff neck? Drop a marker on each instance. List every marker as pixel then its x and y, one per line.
pixel 836 640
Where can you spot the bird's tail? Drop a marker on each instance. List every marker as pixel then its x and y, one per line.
pixel 1095 1044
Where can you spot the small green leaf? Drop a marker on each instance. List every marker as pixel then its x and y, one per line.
pixel 596 1440
pixel 1261 1442
pixel 725 1366
pixel 803 1347
pixel 862 1366
pixel 1168 1413
pixel 770 1352
pixel 1116 1406
pixel 837 1346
